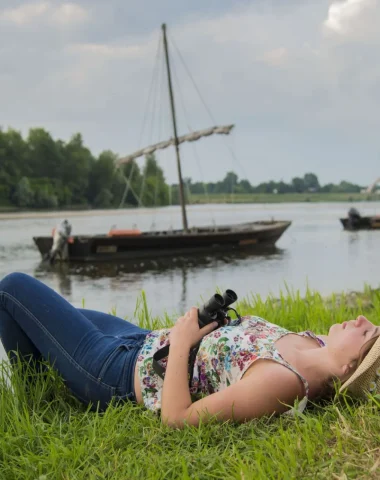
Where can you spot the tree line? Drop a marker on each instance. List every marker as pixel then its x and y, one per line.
pixel 309 183
pixel 40 172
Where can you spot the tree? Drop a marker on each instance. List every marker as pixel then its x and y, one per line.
pixel 283 187
pixel 198 187
pixel 101 177
pixel 311 182
pixel 23 195
pixel 347 187
pixel 77 165
pixel 45 199
pixel 13 159
pixel 245 186
pixel 298 184
pixel 229 182
pixel 45 156
pixel 154 190
pixel 327 188
pixel 103 198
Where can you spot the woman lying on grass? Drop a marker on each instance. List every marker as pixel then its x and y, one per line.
pixel 104 358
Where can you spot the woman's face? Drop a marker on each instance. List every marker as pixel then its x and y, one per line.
pixel 345 341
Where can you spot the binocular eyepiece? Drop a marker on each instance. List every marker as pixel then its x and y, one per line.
pixel 216 309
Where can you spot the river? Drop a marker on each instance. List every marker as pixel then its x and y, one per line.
pixel 314 252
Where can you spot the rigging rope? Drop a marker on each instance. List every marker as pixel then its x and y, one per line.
pixel 152 83
pixel 232 153
pixel 195 151
pixel 153 116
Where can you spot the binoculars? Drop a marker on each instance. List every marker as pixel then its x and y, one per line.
pixel 216 309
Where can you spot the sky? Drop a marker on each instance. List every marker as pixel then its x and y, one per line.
pixel 300 80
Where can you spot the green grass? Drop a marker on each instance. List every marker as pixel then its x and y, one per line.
pixel 282 198
pixel 46 434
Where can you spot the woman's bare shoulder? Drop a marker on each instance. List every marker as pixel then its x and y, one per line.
pixel 271 371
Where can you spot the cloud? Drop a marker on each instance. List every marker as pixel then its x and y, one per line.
pixel 108 51
pixel 298 97
pixel 276 58
pixel 341 15
pixel 45 12
pixel 25 13
pixel 69 14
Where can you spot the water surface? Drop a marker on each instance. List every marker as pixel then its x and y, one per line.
pixel 314 251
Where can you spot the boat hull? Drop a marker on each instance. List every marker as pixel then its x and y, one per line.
pixel 363 223
pixel 102 248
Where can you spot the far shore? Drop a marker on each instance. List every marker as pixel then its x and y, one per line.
pixel 9 213
pixel 60 214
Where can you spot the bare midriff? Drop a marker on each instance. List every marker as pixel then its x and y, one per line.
pixel 137 386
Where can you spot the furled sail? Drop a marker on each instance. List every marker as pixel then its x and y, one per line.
pixel 190 137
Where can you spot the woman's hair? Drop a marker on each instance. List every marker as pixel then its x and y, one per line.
pixel 365 349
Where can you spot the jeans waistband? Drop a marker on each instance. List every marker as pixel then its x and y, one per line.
pixel 131 359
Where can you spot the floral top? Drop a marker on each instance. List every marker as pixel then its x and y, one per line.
pixel 223 357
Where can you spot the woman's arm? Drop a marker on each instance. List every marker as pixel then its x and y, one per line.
pixel 176 397
pixel 270 388
pixel 175 394
pixel 267 388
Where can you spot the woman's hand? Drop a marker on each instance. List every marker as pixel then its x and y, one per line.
pixel 186 331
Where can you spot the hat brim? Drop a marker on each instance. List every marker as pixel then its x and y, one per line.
pixel 370 359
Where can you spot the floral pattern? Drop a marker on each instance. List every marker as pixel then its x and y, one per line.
pixel 222 359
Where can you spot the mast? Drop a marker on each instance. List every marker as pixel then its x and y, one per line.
pixel 176 144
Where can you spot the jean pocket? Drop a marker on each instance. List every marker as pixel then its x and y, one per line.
pixel 113 365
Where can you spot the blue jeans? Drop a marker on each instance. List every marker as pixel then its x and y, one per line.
pixel 94 352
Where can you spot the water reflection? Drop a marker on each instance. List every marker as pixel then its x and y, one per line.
pixel 181 271
pixel 353 237
pixel 183 262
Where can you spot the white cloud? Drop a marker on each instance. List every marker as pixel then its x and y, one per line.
pixel 108 51
pixel 341 14
pixel 69 13
pixel 45 12
pixel 25 13
pixel 275 58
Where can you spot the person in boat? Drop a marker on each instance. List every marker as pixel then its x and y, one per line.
pixel 240 372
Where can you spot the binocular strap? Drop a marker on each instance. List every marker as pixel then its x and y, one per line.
pixel 164 352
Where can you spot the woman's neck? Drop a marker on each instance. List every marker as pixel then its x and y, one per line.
pixel 313 364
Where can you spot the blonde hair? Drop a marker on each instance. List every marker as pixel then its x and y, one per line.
pixel 366 349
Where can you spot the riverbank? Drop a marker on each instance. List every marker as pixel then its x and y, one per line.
pixel 45 433
pixel 14 215
pixel 10 213
pixel 284 198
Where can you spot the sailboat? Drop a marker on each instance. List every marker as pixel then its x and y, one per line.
pixel 132 244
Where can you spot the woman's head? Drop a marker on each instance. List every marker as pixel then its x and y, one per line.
pixel 363 376
pixel 348 343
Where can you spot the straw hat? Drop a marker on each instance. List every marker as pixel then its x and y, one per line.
pixel 366 378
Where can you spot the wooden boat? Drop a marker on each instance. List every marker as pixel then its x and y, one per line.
pixel 354 221
pixel 136 244
pixel 365 223
pixel 93 248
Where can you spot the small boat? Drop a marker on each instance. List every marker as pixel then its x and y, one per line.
pixel 354 221
pixel 127 244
